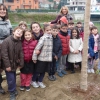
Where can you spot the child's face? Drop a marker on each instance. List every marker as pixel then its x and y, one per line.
pixel 18 33
pixel 28 36
pixel 79 25
pixel 70 26
pixel 74 33
pixel 94 31
pixel 23 26
pixel 36 28
pixel 54 32
pixel 64 29
pixel 48 30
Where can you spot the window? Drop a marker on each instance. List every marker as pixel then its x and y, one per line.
pixel 9 7
pixel 23 1
pixel 17 1
pixel 17 7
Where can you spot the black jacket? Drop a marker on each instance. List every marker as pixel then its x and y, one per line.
pixel 57 47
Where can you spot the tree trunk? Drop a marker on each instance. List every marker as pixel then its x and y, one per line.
pixel 83 81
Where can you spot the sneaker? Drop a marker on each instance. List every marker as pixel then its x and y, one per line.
pixel 89 71
pixel 12 96
pixel 16 92
pixel 92 71
pixel 41 85
pixel 73 71
pixel 27 88
pixel 60 74
pixel 2 90
pixel 34 84
pixel 51 78
pixel 22 88
pixel 54 77
pixel 64 72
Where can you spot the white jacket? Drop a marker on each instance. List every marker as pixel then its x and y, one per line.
pixel 75 44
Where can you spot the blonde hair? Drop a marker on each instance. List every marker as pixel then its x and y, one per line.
pixel 22 23
pixel 65 8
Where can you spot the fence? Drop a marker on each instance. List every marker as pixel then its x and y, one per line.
pixel 96 23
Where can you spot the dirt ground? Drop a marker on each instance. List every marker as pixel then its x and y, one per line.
pixel 65 88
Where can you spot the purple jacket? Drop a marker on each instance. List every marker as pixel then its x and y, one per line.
pixel 69 17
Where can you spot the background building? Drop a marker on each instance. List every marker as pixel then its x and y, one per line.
pixel 21 4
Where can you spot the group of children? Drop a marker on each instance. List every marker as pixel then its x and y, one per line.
pixel 53 49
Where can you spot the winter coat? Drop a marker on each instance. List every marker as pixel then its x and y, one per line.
pixel 12 53
pixel 65 43
pixel 45 45
pixel 57 47
pixel 99 43
pixel 28 48
pixel 75 44
pixel 59 16
pixel 5 29
pixel 91 46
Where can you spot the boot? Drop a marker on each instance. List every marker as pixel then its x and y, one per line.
pixel 12 96
pixel 2 90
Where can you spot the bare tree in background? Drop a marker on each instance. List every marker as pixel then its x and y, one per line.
pixel 83 81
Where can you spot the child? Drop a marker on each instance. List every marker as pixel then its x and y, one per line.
pixel 12 56
pixel 57 51
pixel 23 25
pixel 65 49
pixel 80 29
pixel 36 30
pixel 44 59
pixel 37 33
pixel 91 25
pixel 98 70
pixel 29 44
pixel 93 49
pixel 70 27
pixel 76 46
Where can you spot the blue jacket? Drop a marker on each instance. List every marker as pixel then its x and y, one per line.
pixel 57 47
pixel 91 46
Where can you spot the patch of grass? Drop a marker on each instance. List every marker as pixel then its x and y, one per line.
pixel 15 18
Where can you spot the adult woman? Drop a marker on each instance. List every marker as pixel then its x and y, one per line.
pixel 5 31
pixel 63 12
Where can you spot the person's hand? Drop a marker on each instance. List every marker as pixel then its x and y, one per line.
pixel 77 51
pixel 74 52
pixel 8 69
pixel 56 57
pixel 37 52
pixel 19 67
pixel 34 61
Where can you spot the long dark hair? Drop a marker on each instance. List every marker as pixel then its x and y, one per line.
pixel 5 8
pixel 77 33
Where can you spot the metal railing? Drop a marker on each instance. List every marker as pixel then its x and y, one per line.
pixel 96 23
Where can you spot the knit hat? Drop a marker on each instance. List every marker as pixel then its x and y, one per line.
pixel 64 20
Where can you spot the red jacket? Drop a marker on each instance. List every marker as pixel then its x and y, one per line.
pixel 28 48
pixel 65 43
